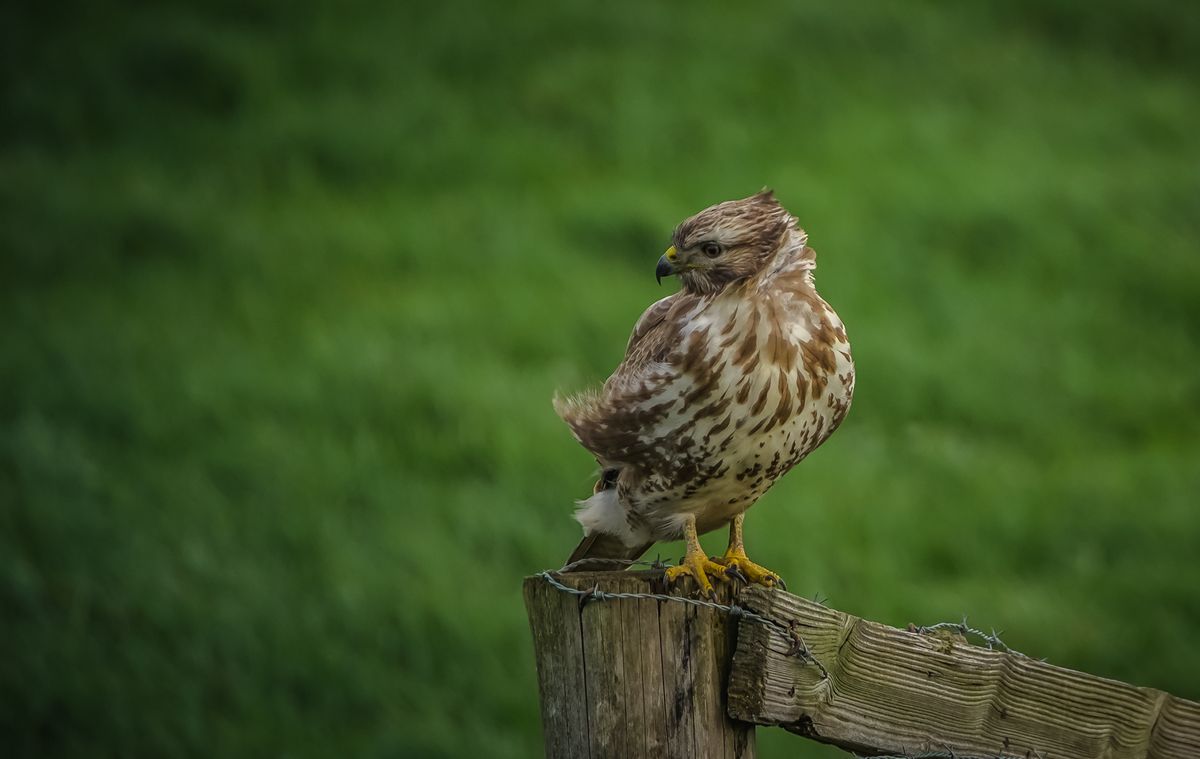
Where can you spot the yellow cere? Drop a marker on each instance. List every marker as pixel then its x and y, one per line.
pixel 671 254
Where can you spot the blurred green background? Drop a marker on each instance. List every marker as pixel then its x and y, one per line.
pixel 286 289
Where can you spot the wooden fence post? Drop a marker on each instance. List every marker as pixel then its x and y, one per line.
pixel 633 677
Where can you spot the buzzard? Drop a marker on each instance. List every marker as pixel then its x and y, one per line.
pixel 725 386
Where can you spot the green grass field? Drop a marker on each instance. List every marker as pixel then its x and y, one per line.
pixel 286 291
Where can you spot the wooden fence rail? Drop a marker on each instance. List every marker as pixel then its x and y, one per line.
pixel 900 692
pixel 659 678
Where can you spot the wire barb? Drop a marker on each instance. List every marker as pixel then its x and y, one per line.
pixel 992 639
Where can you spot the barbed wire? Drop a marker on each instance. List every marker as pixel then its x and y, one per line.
pixel 789 629
pixel 992 639
pixel 798 648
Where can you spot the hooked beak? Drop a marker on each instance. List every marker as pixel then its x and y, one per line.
pixel 665 266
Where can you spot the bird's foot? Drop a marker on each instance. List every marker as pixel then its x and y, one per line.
pixel 700 567
pixel 736 563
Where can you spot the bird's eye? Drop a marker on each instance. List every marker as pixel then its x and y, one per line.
pixel 711 249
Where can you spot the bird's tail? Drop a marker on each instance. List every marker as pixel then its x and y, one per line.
pixel 593 551
pixel 601 516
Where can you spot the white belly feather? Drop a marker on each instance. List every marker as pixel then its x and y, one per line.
pixel 769 412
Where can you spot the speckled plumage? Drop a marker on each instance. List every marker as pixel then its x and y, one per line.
pixel 725 385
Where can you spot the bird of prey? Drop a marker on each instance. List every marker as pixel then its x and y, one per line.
pixel 725 386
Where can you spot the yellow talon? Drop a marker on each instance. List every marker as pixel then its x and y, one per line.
pixel 696 564
pixel 735 558
pixel 751 571
pixel 700 567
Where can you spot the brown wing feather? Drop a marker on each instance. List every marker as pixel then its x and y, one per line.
pixel 609 422
pixel 648 321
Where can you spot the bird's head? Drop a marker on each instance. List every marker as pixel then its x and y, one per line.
pixel 729 242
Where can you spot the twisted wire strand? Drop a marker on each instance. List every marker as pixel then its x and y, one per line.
pixel 992 639
pixel 798 648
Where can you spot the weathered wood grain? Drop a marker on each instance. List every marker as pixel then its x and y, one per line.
pixel 633 677
pixel 558 639
pixel 894 691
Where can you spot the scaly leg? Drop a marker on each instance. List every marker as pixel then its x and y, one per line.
pixel 735 557
pixel 695 563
